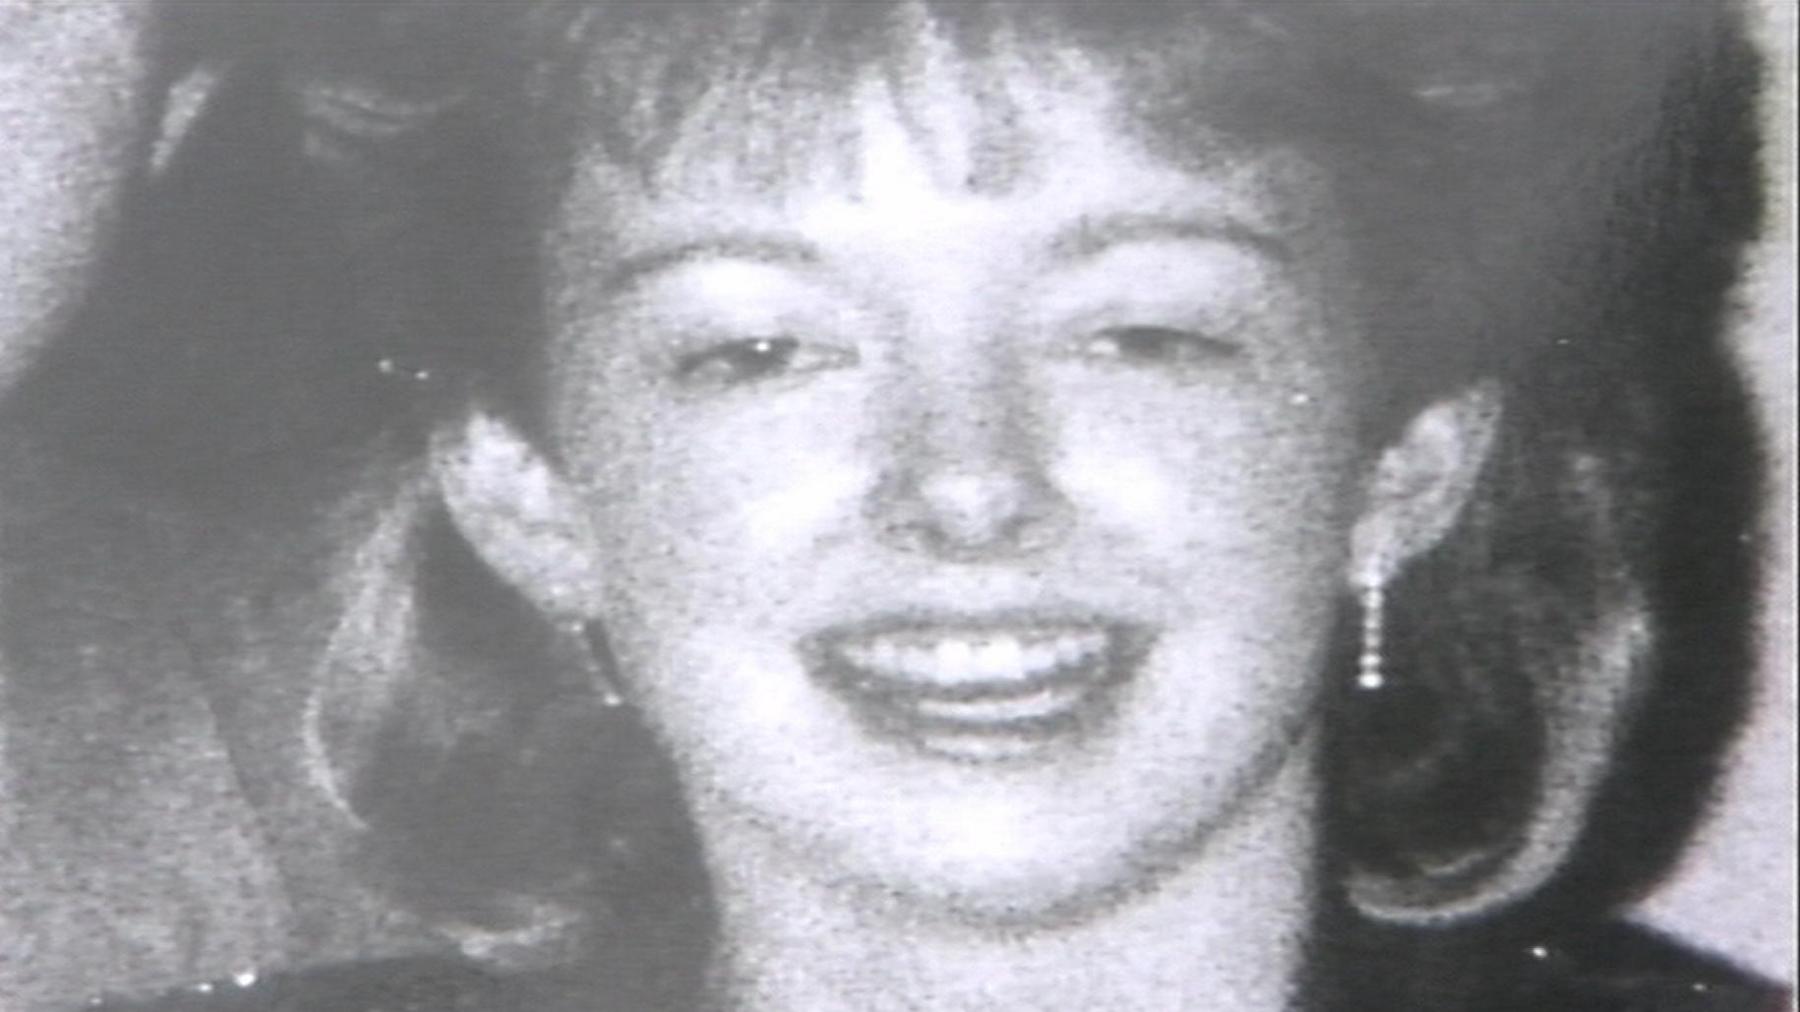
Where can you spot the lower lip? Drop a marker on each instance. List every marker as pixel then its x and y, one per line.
pixel 1035 722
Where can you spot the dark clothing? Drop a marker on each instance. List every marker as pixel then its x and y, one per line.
pixel 1607 969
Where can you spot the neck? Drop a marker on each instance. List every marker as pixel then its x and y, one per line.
pixel 1226 929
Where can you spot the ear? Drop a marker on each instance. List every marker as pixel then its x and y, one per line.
pixel 1422 481
pixel 519 515
pixel 1585 692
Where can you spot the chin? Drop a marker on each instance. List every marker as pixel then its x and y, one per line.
pixel 1024 900
pixel 1034 878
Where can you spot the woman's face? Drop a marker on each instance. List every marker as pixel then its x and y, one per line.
pixel 977 543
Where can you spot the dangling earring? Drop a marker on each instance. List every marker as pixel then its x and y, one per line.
pixel 590 647
pixel 1373 596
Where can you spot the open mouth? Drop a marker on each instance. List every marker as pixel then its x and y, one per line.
pixel 980 690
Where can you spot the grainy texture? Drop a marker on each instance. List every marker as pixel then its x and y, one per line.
pixel 149 713
pixel 1735 889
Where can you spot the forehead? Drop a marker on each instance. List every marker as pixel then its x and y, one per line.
pixel 927 120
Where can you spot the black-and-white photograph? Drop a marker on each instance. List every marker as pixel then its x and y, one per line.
pixel 897 505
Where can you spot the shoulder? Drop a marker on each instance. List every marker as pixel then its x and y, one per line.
pixel 1625 968
pixel 1612 968
pixel 1600 966
pixel 424 984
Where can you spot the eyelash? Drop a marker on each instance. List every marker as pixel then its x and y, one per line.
pixel 1153 345
pixel 754 359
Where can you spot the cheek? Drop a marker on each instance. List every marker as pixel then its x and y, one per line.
pixel 1237 521
pixel 1225 478
pixel 709 504
pixel 712 525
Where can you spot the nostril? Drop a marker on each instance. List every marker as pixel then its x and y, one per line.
pixel 962 513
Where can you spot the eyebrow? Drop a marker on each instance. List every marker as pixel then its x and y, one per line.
pixel 1091 236
pixel 773 250
pixel 1088 237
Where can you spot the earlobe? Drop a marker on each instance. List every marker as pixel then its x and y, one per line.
pixel 1422 481
pixel 519 514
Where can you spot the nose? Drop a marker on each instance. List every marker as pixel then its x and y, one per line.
pixel 969 484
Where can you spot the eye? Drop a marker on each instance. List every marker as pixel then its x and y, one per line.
pixel 748 360
pixel 1157 346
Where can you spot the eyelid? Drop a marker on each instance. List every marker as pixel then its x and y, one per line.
pixel 786 356
pixel 1200 337
pixel 1152 345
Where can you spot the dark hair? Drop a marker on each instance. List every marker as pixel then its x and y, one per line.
pixel 1553 196
pixel 227 333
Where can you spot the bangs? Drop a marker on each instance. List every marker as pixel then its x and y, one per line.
pixel 766 83
pixel 770 91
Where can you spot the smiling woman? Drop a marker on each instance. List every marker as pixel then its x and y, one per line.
pixel 971 451
pixel 1065 506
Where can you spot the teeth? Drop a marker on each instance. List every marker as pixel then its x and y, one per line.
pixel 1036 705
pixel 884 656
pixel 999 658
pixel 953 660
